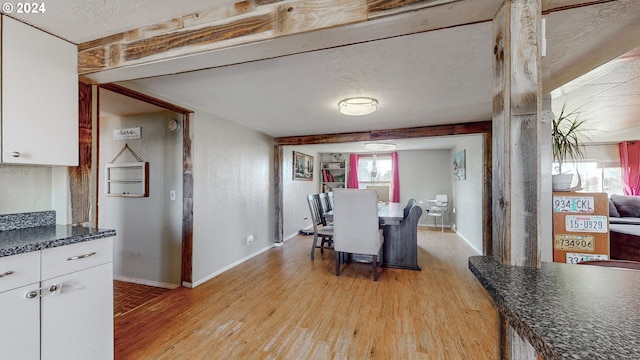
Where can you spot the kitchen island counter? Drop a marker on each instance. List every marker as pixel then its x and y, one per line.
pixel 567 311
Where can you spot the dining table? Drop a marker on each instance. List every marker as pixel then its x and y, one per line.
pixel 399 251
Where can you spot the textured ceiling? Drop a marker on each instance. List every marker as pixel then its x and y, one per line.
pixel 427 78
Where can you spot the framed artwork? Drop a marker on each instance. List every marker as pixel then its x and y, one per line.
pixel 302 166
pixel 459 165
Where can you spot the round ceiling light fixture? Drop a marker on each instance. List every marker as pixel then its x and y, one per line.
pixel 380 146
pixel 357 106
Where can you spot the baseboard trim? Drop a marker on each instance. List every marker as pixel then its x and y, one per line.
pixel 146 282
pixel 228 267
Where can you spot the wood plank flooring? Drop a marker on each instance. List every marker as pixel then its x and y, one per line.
pixel 129 296
pixel 282 305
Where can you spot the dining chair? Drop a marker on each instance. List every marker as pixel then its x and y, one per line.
pixel 408 207
pixel 355 226
pixel 325 206
pixel 330 197
pixel 438 209
pixel 320 228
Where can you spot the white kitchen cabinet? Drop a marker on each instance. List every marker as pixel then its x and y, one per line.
pixel 66 310
pixel 39 97
pixel 20 312
pixel 77 323
pixel 77 301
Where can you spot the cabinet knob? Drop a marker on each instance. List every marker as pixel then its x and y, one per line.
pixel 15 154
pixel 31 294
pixel 53 288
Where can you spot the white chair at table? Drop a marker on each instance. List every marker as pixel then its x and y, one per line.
pixel 355 225
pixel 438 209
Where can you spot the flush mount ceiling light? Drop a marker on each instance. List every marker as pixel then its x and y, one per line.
pixel 380 146
pixel 357 106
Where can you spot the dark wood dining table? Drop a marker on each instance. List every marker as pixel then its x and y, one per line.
pixel 399 251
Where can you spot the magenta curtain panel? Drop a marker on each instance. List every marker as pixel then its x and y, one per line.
pixel 352 178
pixel 395 178
pixel 630 164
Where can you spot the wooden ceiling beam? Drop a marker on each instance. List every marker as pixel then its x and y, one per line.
pixel 481 127
pixel 234 24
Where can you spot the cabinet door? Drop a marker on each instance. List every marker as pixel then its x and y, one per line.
pixel 20 329
pixel 39 97
pixel 77 315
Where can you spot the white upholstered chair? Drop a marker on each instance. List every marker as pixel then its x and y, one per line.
pixel 438 209
pixel 355 225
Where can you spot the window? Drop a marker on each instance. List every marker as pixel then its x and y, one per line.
pixel 374 169
pixel 598 177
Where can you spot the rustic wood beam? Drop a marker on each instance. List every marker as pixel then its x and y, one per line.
pixel 516 154
pixel 278 190
pixel 481 127
pixel 233 24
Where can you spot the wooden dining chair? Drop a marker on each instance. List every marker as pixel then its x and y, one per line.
pixel 325 206
pixel 320 229
pixel 355 226
pixel 410 204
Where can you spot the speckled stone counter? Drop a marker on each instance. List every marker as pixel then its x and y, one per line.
pixel 22 233
pixel 567 311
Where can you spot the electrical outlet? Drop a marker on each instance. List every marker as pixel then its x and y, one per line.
pixel 249 239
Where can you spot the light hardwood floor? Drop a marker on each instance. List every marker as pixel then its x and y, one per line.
pixel 282 305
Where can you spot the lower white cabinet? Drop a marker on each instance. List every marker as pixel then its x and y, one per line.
pixel 68 313
pixel 20 329
pixel 78 322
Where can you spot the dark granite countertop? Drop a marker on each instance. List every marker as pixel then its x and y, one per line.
pixel 20 241
pixel 25 232
pixel 567 311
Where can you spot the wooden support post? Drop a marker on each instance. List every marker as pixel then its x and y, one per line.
pixel 516 147
pixel 516 133
pixel 277 190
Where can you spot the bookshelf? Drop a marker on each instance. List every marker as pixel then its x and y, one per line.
pixel 333 174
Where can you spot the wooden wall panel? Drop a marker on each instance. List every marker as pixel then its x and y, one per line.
pixel 80 176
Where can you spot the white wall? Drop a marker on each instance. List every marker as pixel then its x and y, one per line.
pixel 232 195
pixel 25 188
pixel 467 207
pixel 148 244
pixel 295 208
pixel 423 174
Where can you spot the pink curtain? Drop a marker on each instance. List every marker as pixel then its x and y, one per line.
pixel 395 178
pixel 630 164
pixel 352 178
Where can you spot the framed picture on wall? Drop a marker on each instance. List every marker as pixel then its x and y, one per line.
pixel 459 165
pixel 302 166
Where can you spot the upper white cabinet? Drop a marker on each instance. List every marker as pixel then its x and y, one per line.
pixel 39 97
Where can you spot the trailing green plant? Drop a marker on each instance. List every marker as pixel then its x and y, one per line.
pixel 569 130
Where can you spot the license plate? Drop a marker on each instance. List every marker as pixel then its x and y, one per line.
pixel 585 204
pixel 574 258
pixel 586 223
pixel 574 242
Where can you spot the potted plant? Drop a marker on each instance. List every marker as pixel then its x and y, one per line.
pixel 568 131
